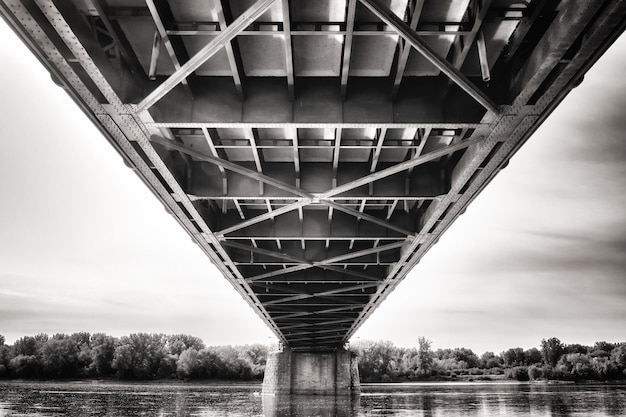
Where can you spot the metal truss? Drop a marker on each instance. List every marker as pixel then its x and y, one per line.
pixel 316 177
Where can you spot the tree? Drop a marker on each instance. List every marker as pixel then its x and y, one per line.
pixel 24 366
pixel 577 365
pixel 551 350
pixel 59 358
pixel 532 356
pixel 123 361
pixel 167 367
pixel 376 360
pixel 576 348
pixel 139 355
pixel 25 346
pixel 102 354
pixel 210 363
pixel 602 349
pixel 5 357
pixel 514 357
pixel 256 356
pixel 490 360
pixel 177 343
pixel 618 357
pixel 424 357
pixel 467 356
pixel 187 365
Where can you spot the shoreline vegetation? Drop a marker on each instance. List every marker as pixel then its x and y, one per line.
pixel 184 358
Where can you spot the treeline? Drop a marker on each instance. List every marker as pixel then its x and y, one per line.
pixel 139 356
pixel 144 356
pixel 382 361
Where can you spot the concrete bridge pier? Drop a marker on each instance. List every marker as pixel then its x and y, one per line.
pixel 311 373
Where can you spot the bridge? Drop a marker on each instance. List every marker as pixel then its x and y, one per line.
pixel 316 150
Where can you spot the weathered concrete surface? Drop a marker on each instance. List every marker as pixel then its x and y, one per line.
pixel 311 373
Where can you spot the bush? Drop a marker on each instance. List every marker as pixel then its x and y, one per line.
pixel 534 372
pixel 519 373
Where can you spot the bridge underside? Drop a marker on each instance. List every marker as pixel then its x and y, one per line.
pixel 315 150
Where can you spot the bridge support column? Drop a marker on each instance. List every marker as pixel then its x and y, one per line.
pixel 311 373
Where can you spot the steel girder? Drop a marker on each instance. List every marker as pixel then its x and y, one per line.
pixel 316 177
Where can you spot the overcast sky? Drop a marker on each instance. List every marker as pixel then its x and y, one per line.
pixel 85 246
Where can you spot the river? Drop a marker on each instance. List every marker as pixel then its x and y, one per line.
pixel 75 399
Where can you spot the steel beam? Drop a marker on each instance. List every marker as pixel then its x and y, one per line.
pixel 288 49
pixel 347 46
pixel 379 146
pixel 405 49
pixel 233 59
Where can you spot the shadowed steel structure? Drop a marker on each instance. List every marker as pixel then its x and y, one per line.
pixel 315 150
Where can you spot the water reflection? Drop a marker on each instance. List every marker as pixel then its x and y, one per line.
pixel 310 405
pixel 390 400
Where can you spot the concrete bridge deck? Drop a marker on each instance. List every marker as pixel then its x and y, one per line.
pixel 315 150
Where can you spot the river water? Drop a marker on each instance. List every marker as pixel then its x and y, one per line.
pixel 75 399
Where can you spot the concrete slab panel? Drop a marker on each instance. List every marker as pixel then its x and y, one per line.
pixel 195 10
pixel 419 100
pixel 274 14
pixel 218 102
pixel 444 11
pixel 267 100
pixel 317 56
pixel 318 11
pixel 263 56
pixel 372 56
pixel 317 99
pixel 368 101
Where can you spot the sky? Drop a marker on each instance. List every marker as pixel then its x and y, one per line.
pixel 85 246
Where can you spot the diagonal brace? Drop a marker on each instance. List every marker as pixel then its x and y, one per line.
pixel 317 198
pixel 422 47
pixel 308 198
pixel 321 293
pixel 306 264
pixel 241 23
